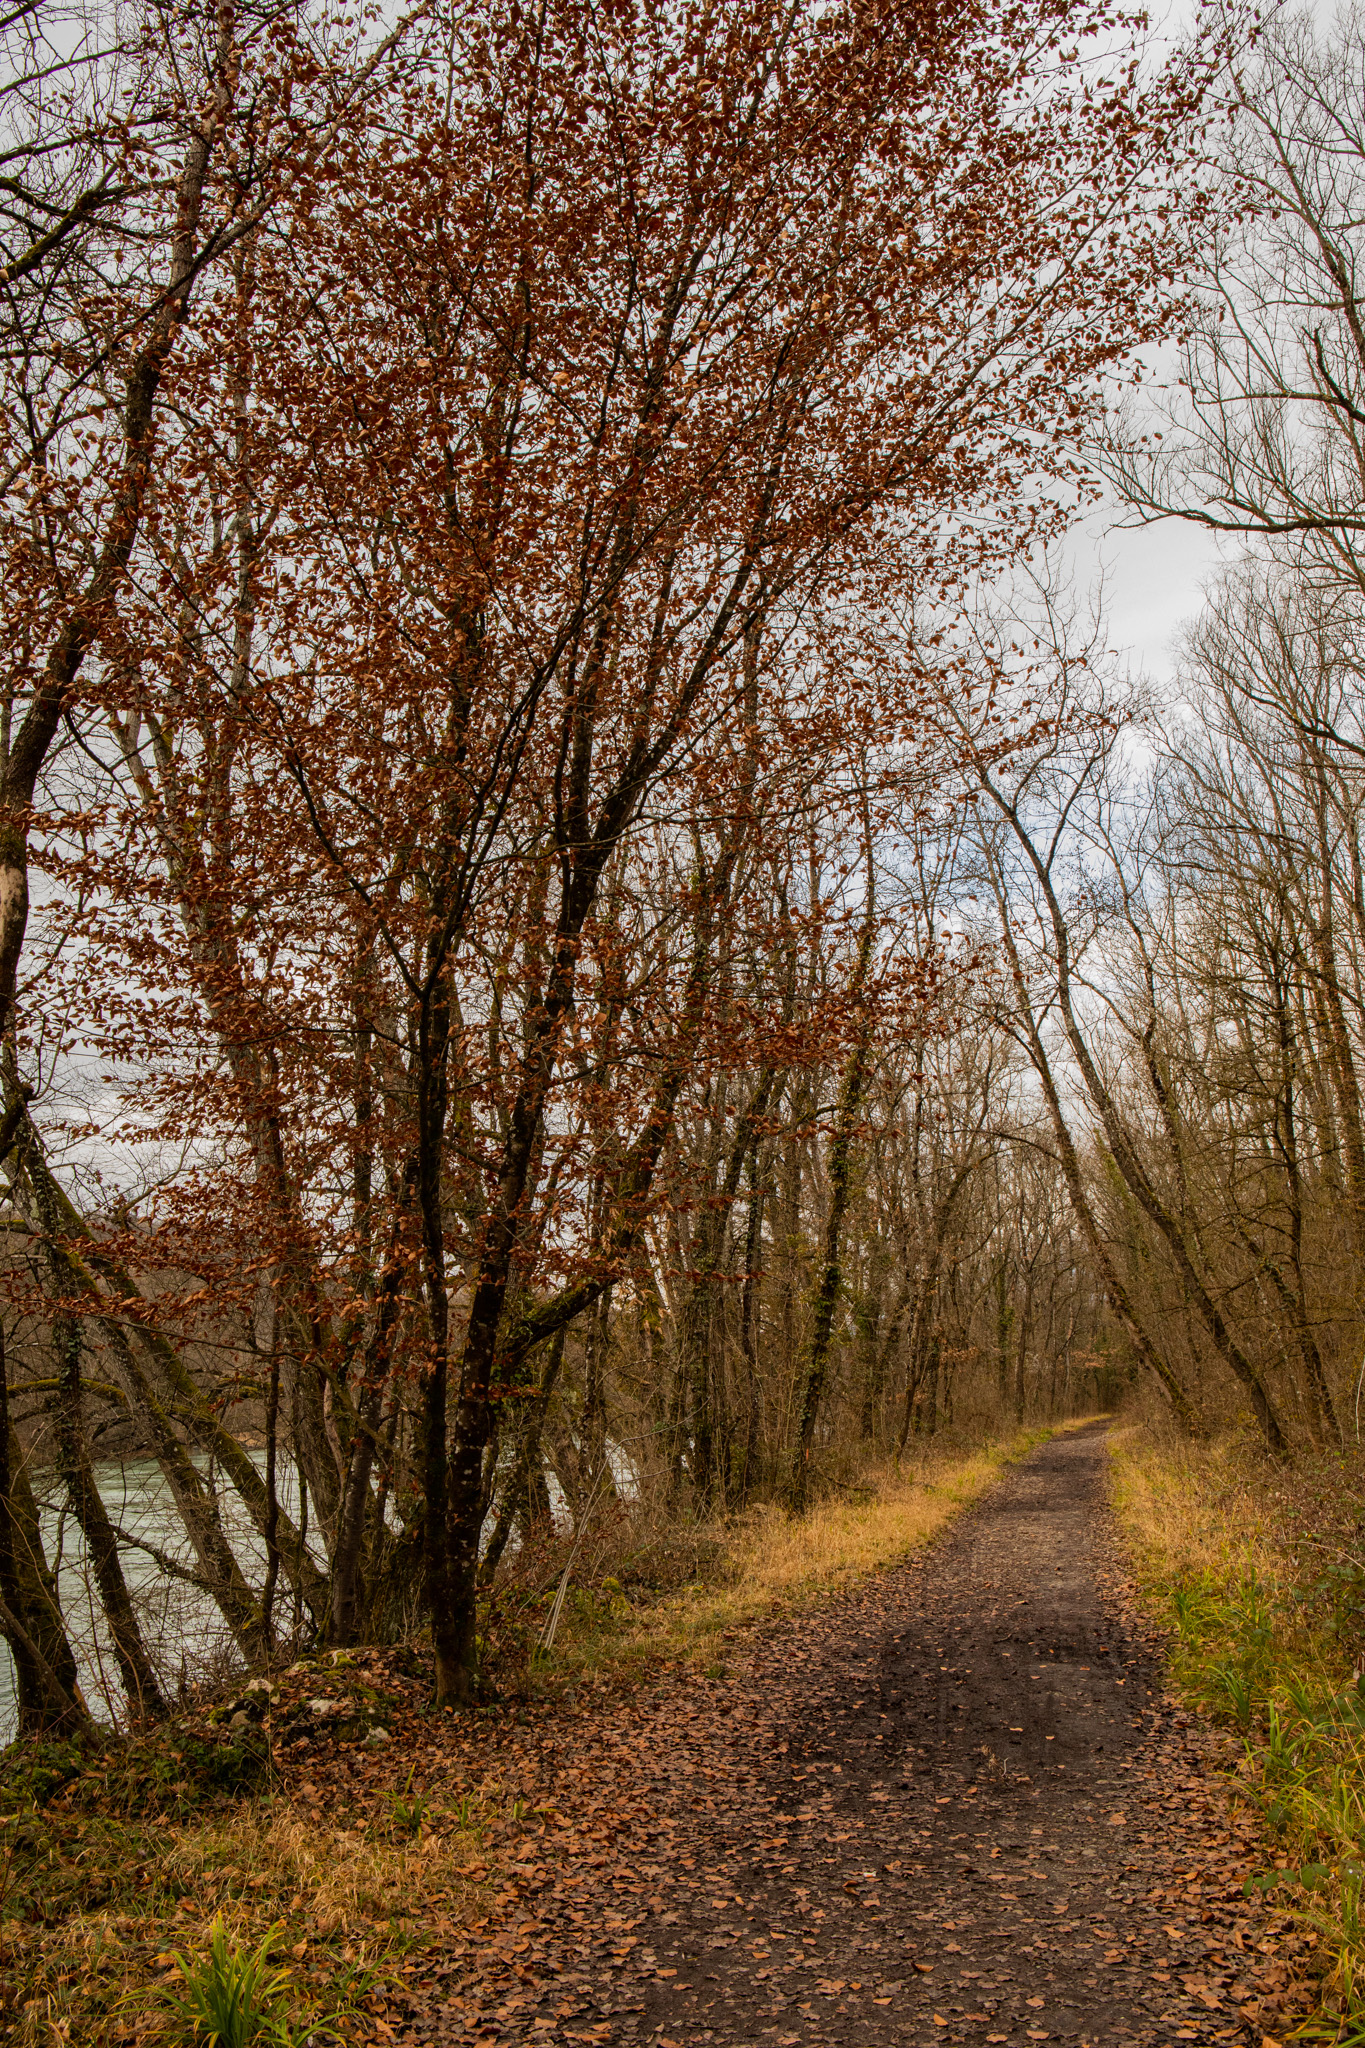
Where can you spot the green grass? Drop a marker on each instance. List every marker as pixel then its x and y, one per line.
pixel 1265 1622
pixel 229 1997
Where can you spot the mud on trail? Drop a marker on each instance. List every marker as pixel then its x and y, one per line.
pixel 953 1805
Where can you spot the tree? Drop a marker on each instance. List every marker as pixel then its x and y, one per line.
pixel 534 450
pixel 1265 441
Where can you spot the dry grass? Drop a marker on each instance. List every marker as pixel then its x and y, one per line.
pixel 1195 1508
pixel 340 1878
pixel 346 1900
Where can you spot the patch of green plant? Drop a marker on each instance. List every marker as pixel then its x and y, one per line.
pixel 166 1771
pixel 228 1996
pixel 35 1771
pixel 407 1809
pixel 1248 1654
pixel 176 1773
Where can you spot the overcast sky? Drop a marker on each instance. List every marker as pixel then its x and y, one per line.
pixel 1153 581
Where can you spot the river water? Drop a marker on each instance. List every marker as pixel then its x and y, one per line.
pixel 183 1628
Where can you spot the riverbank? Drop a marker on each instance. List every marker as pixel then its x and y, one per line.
pixel 337 1817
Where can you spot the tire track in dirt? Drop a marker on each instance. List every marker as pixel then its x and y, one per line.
pixel 952 1805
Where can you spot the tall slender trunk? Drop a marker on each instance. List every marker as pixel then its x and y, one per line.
pixel 356 1510
pixel 932 1380
pixel 699 1320
pixel 271 1532
pixel 920 1347
pixel 454 1675
pixel 1004 1323
pixel 1021 1348
pixel 527 1455
pixel 1340 1057
pixel 1123 1150
pixel 486 1346
pixel 877 1334
pixel 164 1398
pixel 1117 1294
pixel 1294 1300
pixel 815 1369
pixel 744 1480
pixel 596 1468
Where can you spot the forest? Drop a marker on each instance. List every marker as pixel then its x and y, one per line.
pixel 590 920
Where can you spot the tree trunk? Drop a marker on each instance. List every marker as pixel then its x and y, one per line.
pixel 512 1507
pixel 135 1669
pixel 1125 1157
pixel 743 1482
pixel 815 1370
pixel 1117 1294
pixel 1021 1349
pixel 596 1468
pixel 48 1696
pixel 698 1323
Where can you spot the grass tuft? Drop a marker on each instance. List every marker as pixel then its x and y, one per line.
pixel 228 1997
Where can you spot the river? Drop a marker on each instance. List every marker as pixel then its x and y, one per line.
pixel 183 1628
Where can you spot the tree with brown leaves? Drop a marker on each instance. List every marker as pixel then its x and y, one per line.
pixel 545 455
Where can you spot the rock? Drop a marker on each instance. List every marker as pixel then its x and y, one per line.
pixel 378 1738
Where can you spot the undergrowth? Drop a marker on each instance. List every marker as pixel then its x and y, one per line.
pixel 1258 1576
pixel 136 1876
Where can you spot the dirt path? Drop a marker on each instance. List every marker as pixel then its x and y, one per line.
pixel 954 1805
